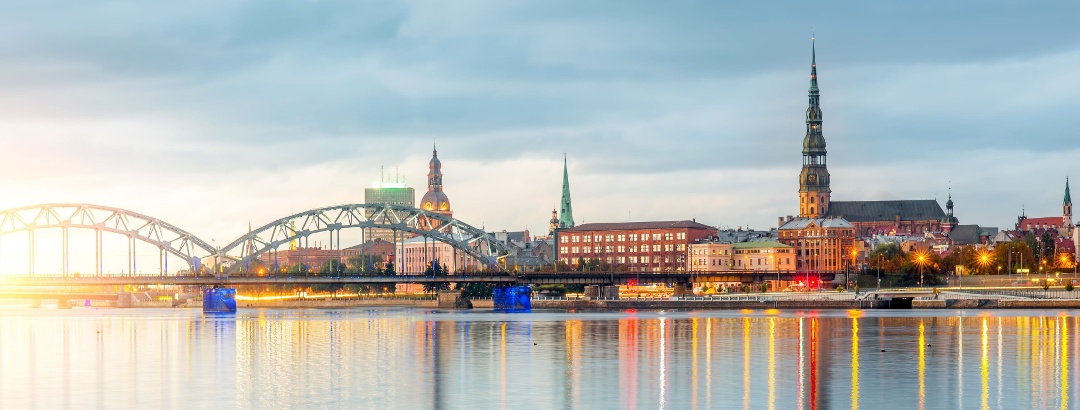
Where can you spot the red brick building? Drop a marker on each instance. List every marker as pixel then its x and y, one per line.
pixel 630 246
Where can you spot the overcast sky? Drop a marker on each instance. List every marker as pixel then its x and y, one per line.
pixel 211 114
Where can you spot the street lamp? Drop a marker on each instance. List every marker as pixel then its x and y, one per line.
pixel 921 258
pixel 854 254
pixel 881 261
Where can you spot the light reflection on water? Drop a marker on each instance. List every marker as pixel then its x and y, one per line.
pixel 404 358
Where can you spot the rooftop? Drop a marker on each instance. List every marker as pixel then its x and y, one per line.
pixel 868 211
pixel 759 245
pixel 802 223
pixel 627 226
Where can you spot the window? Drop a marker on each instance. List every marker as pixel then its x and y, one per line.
pixel 669 236
pixel 633 248
pixel 562 249
pixel 575 239
pixel 644 259
pixel 656 248
pixel 587 238
pixel 575 250
pixel 656 237
pixel 587 249
pixel 622 259
pixel 622 238
pixel 681 247
pixel 621 249
pixel 633 237
pixel 607 249
pixel 669 247
pixel 681 235
pixel 609 238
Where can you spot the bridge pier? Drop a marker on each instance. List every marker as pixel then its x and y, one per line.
pixel 453 299
pixel 683 289
pixel 602 292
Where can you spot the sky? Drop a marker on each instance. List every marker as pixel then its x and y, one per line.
pixel 215 114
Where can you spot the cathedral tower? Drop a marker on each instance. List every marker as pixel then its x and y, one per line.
pixel 435 200
pixel 814 192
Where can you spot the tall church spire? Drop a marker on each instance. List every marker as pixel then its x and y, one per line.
pixel 566 214
pixel 814 192
pixel 1066 207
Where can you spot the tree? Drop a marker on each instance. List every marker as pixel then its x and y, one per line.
pixel 927 266
pixel 330 266
pixel 888 257
pixel 1009 255
pixel 1047 247
pixel 389 269
pixel 367 265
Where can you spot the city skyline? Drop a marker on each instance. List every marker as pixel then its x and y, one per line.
pixel 688 113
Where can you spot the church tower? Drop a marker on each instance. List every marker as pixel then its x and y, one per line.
pixel 566 214
pixel 814 192
pixel 435 200
pixel 1066 208
pixel 950 220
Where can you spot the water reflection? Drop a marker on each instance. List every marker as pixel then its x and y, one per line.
pixel 419 359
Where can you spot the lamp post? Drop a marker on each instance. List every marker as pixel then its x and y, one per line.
pixel 922 258
pixel 881 261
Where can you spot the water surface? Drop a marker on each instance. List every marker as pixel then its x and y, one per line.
pixel 417 359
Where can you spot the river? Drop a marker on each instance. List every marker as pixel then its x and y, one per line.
pixel 424 359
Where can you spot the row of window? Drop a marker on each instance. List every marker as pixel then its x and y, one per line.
pixel 818 233
pixel 737 262
pixel 667 236
pixel 628 259
pixel 670 247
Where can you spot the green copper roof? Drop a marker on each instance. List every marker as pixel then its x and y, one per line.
pixel 1068 199
pixel 566 214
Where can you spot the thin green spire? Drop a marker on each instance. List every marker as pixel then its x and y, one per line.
pixel 566 214
pixel 1068 198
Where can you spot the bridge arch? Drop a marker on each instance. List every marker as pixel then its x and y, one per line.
pixel 168 238
pixel 469 240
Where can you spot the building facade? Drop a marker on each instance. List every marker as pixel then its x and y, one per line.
pixel 418 253
pixel 631 246
pixel 763 256
pixel 711 257
pixel 820 244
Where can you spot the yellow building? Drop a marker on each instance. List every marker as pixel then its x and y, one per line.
pixel 763 256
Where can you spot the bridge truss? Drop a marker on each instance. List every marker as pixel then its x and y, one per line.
pixel 101 219
pixel 403 221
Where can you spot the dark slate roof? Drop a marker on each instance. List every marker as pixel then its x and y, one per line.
pixel 965 234
pixel 626 226
pixel 871 211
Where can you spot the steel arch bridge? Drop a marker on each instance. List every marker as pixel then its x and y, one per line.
pixel 469 240
pixel 137 227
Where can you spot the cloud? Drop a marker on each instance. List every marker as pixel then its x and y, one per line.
pixel 682 110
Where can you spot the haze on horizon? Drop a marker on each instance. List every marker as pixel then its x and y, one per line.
pixel 212 114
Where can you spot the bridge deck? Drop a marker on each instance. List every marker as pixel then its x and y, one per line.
pixel 580 278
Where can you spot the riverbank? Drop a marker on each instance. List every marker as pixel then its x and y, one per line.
pixel 807 304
